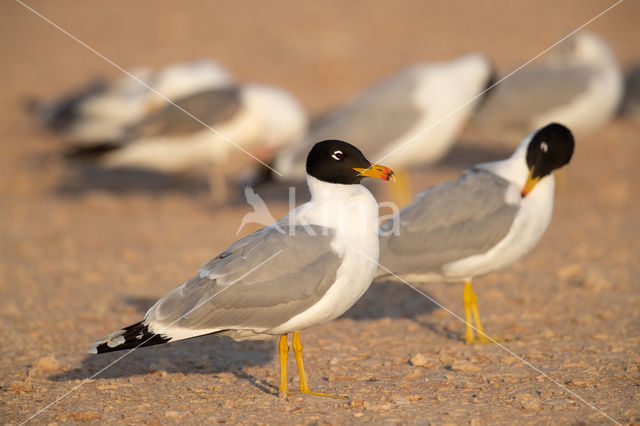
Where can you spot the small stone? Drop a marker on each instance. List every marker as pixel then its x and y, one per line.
pixel 416 374
pixel 530 402
pixel 401 401
pixel 20 386
pixel 595 279
pixel 47 363
pixel 510 359
pixel 357 403
pixel 418 360
pixel 578 382
pixel 110 386
pixel 547 334
pixel 43 365
pixel 462 365
pixel 358 414
pixel 569 271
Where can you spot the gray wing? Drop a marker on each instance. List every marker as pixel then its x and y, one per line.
pixel 258 283
pixel 372 121
pixel 210 106
pixel 528 93
pixel 448 222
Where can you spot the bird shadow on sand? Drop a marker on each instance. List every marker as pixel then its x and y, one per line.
pixel 207 355
pixel 390 299
pixel 83 179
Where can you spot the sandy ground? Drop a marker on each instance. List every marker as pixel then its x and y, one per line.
pixel 83 253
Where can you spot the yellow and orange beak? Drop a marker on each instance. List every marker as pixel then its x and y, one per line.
pixel 529 184
pixel 377 171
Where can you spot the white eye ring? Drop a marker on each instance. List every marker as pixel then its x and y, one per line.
pixel 337 155
pixel 544 147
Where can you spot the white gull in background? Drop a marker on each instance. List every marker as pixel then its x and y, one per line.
pixel 101 111
pixel 580 85
pixel 309 269
pixel 257 118
pixel 494 214
pixel 401 119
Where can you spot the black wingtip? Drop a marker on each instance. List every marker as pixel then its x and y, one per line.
pixel 134 336
pixel 93 152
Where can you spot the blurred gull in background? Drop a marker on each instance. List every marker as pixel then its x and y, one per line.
pixel 102 111
pixel 401 119
pixel 580 85
pixel 252 117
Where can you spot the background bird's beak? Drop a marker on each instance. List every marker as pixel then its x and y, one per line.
pixel 529 184
pixel 377 171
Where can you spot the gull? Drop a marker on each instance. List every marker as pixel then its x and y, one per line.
pixel 411 118
pixel 580 85
pixel 491 216
pixel 231 125
pixel 275 282
pixel 101 111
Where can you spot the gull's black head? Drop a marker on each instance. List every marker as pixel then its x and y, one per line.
pixel 336 161
pixel 550 148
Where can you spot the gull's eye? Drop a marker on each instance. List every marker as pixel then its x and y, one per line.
pixel 544 147
pixel 337 155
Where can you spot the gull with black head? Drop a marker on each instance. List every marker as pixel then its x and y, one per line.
pixel 306 269
pixel 491 216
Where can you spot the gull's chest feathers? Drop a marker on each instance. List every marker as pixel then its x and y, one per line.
pixel 348 210
pixel 352 213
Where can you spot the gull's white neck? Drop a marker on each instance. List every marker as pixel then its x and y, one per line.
pixel 514 169
pixel 346 209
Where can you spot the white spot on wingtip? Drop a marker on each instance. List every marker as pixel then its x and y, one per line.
pixel 93 349
pixel 117 341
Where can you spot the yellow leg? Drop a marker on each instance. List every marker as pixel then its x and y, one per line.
pixel 482 337
pixel 401 190
pixel 304 385
pixel 468 298
pixel 471 308
pixel 284 350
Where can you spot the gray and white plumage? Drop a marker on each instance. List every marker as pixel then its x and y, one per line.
pixel 479 223
pixel 449 222
pixel 301 271
pixel 411 103
pixel 101 110
pixel 580 85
